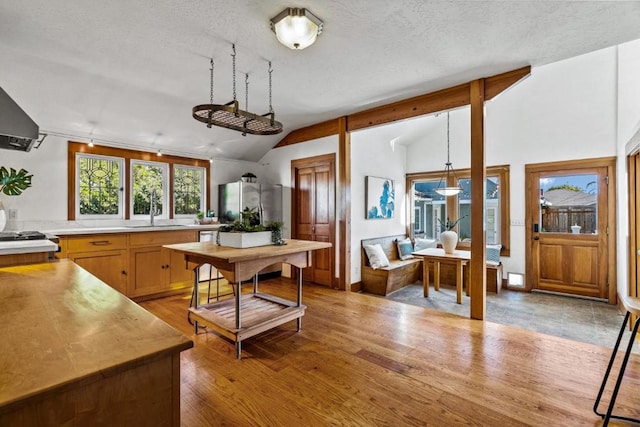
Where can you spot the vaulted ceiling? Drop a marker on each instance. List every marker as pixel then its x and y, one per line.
pixel 129 72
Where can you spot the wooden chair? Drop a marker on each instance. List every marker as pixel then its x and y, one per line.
pixel 632 306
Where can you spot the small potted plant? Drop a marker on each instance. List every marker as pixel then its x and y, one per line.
pixel 12 183
pixel 247 231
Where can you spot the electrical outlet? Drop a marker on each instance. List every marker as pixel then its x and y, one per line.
pixel 13 214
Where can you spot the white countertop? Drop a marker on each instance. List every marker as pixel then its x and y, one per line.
pixel 129 229
pixel 27 247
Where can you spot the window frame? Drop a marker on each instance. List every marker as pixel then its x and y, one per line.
pixel 128 155
pixel 121 200
pixel 203 174
pixel 501 171
pixel 165 188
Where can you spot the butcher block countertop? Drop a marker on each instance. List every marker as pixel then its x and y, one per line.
pixel 61 327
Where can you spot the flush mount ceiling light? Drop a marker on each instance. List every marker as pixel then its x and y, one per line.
pixel 230 115
pixel 442 187
pixel 296 28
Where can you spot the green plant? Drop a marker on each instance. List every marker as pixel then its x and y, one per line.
pixel 448 225
pixel 13 183
pixel 200 215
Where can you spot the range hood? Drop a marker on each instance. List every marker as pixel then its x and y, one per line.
pixel 17 130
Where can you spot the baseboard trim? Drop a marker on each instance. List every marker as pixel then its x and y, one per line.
pixel 356 287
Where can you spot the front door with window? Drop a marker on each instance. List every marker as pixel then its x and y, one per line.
pixel 568 224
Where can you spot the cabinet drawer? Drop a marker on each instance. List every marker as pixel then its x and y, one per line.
pixel 98 242
pixel 155 238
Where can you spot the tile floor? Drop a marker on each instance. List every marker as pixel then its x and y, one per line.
pixel 572 318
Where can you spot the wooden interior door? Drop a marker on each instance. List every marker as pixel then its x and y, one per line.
pixel 560 256
pixel 313 213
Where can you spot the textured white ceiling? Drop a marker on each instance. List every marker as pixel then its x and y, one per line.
pixel 129 72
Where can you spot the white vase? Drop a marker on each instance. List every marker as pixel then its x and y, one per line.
pixel 3 217
pixel 449 240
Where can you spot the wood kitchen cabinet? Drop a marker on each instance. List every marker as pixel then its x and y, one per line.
pixel 154 269
pixel 104 255
pixel 135 264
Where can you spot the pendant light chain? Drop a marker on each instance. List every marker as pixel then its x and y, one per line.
pixel 448 161
pixel 246 91
pixel 270 105
pixel 211 94
pixel 233 56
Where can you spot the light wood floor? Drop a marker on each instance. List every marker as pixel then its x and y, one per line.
pixel 366 361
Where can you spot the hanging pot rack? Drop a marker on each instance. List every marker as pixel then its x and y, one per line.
pixel 230 115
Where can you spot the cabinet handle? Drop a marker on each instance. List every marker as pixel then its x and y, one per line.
pixel 124 272
pixel 166 266
pixel 100 242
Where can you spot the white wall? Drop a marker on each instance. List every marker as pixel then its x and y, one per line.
pixel 374 155
pixel 563 111
pixel 46 199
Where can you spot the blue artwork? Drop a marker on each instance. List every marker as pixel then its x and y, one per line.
pixel 379 198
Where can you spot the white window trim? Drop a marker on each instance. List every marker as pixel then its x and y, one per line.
pixel 120 162
pixel 165 189
pixel 203 196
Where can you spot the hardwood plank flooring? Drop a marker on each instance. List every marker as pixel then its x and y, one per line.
pixel 366 361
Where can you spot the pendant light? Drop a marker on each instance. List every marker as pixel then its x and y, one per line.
pixel 443 186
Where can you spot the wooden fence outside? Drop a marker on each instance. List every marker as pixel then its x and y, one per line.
pixel 560 220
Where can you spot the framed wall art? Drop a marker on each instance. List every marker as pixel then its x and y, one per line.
pixel 379 198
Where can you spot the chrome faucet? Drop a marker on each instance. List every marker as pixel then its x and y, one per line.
pixel 153 208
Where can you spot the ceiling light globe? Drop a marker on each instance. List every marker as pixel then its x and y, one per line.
pixel 296 28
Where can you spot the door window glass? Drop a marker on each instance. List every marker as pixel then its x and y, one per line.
pixel 568 204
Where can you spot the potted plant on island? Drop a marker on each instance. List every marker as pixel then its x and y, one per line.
pixel 12 183
pixel 448 237
pixel 247 232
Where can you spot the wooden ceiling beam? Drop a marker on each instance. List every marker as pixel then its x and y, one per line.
pixel 497 84
pixel 433 102
pixel 441 100
pixel 318 130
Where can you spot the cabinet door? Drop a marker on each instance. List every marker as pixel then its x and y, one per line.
pixel 149 271
pixel 108 266
pixel 179 275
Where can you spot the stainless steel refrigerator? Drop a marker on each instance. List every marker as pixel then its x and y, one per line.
pixel 265 199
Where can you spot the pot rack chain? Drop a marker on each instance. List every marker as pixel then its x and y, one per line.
pixel 211 86
pixel 246 91
pixel 233 60
pixel 270 105
pixel 230 116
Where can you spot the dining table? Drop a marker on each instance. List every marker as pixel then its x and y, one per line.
pixel 436 256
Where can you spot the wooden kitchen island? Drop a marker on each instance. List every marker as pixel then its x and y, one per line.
pixel 77 352
pixel 250 314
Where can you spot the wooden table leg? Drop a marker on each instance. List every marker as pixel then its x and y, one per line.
pixel 425 277
pixel 459 282
pixel 436 275
pixel 465 279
